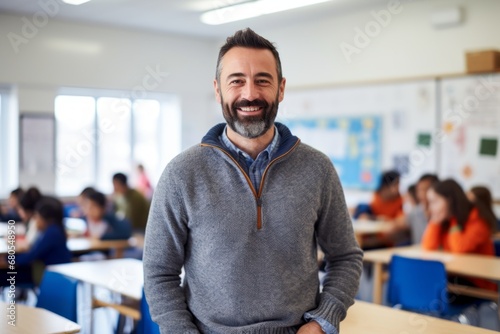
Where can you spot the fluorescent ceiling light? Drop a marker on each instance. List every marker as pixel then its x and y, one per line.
pixel 250 9
pixel 75 2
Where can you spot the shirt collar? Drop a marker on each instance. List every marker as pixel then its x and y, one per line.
pixel 270 149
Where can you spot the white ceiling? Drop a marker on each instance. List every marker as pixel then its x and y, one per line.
pixel 178 16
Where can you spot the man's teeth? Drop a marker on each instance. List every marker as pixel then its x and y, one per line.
pixel 247 109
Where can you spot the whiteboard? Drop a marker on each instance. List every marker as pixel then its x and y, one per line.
pixel 470 120
pixel 407 110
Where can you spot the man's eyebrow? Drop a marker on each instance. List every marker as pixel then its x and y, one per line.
pixel 235 75
pixel 265 74
pixel 240 75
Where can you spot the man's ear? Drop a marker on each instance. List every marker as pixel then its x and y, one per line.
pixel 281 89
pixel 217 91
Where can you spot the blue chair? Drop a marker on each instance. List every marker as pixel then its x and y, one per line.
pixel 58 294
pixel 362 208
pixel 146 324
pixel 418 285
pixel 497 247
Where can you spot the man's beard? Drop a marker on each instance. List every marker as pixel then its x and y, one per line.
pixel 250 126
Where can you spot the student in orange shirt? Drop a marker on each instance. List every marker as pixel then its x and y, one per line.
pixel 459 226
pixel 387 205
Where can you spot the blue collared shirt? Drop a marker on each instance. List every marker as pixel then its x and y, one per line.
pixel 254 168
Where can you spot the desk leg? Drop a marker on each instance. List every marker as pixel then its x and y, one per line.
pixel 498 301
pixel 377 283
pixel 85 319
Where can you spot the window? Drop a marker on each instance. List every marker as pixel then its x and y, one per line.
pixel 9 141
pixel 98 136
pixel 75 143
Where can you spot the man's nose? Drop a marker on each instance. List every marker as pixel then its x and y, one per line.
pixel 250 91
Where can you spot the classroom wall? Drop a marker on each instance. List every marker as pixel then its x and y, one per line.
pixel 407 47
pixel 63 54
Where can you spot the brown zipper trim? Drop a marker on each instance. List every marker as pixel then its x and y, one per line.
pixel 249 181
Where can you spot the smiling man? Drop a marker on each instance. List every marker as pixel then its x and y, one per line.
pixel 244 213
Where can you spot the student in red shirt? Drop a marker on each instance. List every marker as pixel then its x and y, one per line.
pixel 387 205
pixel 458 225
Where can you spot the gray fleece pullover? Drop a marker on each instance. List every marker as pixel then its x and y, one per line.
pixel 249 255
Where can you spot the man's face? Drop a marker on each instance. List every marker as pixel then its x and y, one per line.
pixel 249 91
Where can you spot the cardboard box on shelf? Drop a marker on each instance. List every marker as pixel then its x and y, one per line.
pixel 483 61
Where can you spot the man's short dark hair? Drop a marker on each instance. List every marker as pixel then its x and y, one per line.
pixel 121 178
pixel 97 198
pixel 247 38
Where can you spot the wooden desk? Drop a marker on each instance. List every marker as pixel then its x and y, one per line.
pixel 366 318
pixel 363 228
pixel 32 320
pixel 478 266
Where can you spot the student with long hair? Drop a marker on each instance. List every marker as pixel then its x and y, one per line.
pixel 50 244
pixel 483 195
pixel 26 209
pixel 458 225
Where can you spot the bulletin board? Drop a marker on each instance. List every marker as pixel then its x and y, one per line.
pixel 470 120
pixel 352 143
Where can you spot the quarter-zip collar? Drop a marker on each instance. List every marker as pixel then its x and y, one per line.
pixel 286 143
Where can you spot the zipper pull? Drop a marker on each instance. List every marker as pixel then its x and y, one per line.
pixel 259 213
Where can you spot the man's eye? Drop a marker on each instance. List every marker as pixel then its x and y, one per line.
pixel 236 82
pixel 263 82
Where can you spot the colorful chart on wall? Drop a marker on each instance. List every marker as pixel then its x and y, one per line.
pixel 352 143
pixel 471 131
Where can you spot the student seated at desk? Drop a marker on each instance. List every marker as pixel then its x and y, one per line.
pixel 11 211
pixel 483 195
pixel 102 225
pixel 81 203
pixel 418 217
pixel 50 244
pixel 387 205
pixel 458 225
pixel 26 208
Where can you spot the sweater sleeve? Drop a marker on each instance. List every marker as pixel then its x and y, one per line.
pixel 476 233
pixel 343 256
pixel 164 252
pixel 431 238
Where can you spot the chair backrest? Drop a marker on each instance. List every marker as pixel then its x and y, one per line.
pixel 497 247
pixel 58 294
pixel 147 325
pixel 418 285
